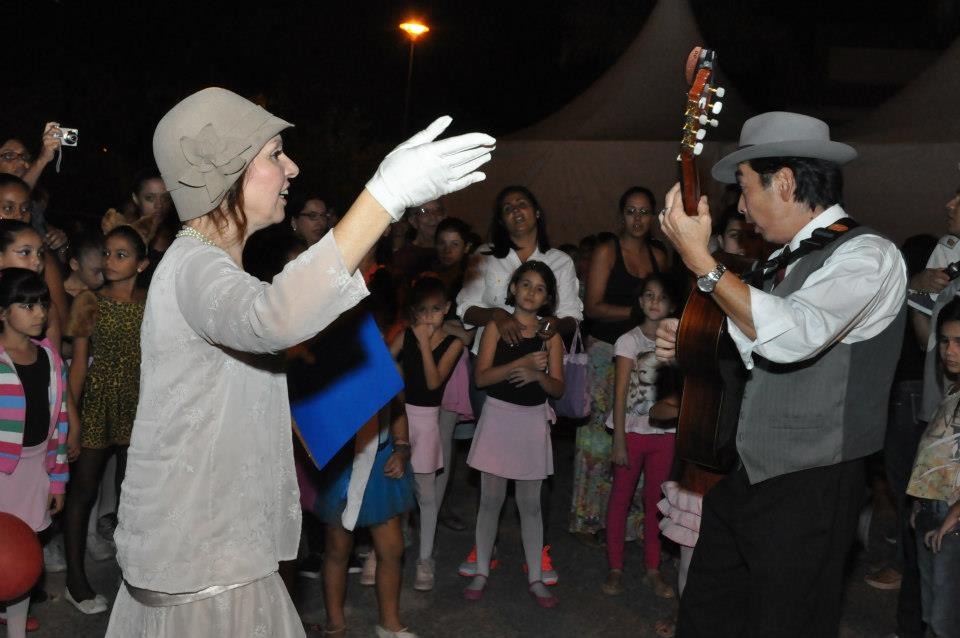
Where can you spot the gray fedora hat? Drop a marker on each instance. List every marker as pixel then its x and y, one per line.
pixel 782 134
pixel 203 144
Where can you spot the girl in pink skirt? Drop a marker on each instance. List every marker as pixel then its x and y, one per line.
pixel 512 440
pixel 33 421
pixel 428 355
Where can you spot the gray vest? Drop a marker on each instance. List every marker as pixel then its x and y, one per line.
pixel 823 410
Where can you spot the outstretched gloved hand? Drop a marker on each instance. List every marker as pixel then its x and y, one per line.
pixel 422 169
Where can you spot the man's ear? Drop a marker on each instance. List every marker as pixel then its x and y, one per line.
pixel 786 183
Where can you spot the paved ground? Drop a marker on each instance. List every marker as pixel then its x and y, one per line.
pixel 507 610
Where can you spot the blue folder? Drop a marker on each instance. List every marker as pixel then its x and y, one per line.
pixel 350 376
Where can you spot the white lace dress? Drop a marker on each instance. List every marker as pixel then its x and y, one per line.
pixel 210 497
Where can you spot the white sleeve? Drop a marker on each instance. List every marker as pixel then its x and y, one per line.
pixel 471 294
pixel 855 295
pixel 229 307
pixel 569 303
pixel 627 345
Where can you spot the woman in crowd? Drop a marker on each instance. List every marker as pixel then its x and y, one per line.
pixel 149 200
pixel 209 504
pixel 617 269
pixel 518 233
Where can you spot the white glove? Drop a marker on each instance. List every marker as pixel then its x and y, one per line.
pixel 420 169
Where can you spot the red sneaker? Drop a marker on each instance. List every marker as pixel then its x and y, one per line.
pixel 547 573
pixel 468 568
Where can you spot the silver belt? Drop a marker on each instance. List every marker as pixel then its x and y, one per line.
pixel 150 598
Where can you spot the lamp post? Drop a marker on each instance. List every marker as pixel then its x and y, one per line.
pixel 414 29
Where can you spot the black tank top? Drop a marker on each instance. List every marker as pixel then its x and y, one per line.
pixel 35 379
pixel 621 290
pixel 530 394
pixel 413 376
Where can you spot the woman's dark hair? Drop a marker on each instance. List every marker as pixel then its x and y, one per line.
pixel 6 179
pixel 819 182
pixel 143 176
pixel 19 285
pixel 456 225
pixel 637 190
pixel 423 288
pixel 9 229
pixel 233 203
pixel 132 236
pixel 729 214
pixel 500 242
pixel 549 279
pixel 84 242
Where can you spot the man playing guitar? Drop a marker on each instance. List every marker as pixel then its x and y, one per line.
pixel 820 335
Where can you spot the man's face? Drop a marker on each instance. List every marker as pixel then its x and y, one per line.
pixel 765 207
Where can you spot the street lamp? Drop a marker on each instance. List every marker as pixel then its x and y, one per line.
pixel 414 29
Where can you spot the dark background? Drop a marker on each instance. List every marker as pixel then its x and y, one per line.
pixel 338 70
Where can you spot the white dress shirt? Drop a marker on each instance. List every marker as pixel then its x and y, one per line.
pixel 855 295
pixel 487 278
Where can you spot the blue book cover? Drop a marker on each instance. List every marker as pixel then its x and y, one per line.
pixel 338 381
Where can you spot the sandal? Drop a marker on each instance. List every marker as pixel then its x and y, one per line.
pixel 655 581
pixel 546 602
pixel 614 584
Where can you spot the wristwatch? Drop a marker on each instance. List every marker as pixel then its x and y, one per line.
pixel 706 283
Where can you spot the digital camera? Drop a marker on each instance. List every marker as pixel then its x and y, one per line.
pixel 68 136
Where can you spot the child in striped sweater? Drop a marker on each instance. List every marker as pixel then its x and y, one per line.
pixel 33 421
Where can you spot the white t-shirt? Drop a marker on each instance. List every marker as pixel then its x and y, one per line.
pixel 642 390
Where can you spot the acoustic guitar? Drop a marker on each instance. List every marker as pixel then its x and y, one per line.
pixel 714 375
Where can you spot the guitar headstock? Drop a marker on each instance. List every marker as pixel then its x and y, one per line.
pixel 703 101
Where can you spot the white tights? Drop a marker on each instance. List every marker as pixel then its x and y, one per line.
pixel 493 491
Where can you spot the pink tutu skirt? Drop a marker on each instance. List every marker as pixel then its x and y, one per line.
pixel 456 395
pixel 426 452
pixel 513 441
pixel 681 511
pixel 24 493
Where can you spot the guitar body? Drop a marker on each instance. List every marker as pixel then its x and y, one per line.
pixel 713 382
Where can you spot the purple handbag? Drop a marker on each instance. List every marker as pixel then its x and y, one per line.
pixel 575 402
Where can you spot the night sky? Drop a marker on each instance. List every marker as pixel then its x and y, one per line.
pixel 338 70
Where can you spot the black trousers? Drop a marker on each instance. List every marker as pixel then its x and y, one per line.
pixel 771 557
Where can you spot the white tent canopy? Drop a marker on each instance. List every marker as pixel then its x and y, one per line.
pixel 624 130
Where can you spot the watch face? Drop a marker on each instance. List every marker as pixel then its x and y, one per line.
pixel 706 283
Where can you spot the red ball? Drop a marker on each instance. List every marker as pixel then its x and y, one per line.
pixel 20 555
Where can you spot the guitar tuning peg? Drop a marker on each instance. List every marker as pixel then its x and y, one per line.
pixel 704 121
pixel 696 147
pixel 715 107
pixel 701 133
pixel 719 91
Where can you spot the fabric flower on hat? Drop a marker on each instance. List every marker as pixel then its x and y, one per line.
pixel 212 158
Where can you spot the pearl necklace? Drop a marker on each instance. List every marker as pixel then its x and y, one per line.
pixel 188 231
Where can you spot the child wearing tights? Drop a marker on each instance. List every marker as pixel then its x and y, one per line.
pixel 105 326
pixel 33 439
pixel 512 440
pixel 427 355
pixel 638 444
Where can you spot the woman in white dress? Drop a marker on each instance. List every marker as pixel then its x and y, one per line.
pixel 210 500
